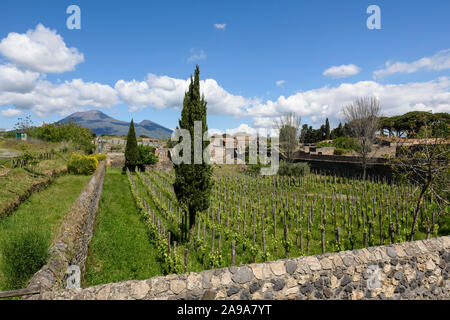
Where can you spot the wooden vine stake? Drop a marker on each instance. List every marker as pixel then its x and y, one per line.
pixel 286 238
pixel 168 241
pixel 323 239
pixel 263 234
pixel 233 253
pixel 186 253
pixel 338 236
pixel 212 239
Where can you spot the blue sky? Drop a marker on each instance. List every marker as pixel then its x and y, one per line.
pixel 269 58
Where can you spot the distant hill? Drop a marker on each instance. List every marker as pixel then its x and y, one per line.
pixel 102 124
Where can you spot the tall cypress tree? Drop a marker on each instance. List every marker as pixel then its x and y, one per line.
pixel 131 152
pixel 193 181
pixel 327 130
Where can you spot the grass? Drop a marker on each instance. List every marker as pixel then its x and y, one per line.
pixel 18 181
pixel 43 213
pixel 120 248
pixel 32 145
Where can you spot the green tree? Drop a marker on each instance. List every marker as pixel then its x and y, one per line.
pixel 193 182
pixel 56 132
pixel 303 133
pixel 327 130
pixel 337 132
pixel 146 156
pixel 131 149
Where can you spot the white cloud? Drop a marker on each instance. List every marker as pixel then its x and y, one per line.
pixel 220 26
pixel 244 129
pixel 10 113
pixel 196 55
pixel 439 61
pixel 47 98
pixel 161 92
pixel 40 50
pixel 342 71
pixel 13 79
pixel 280 83
pixel 327 102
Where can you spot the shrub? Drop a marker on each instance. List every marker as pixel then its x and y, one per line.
pixel 58 132
pixel 23 254
pixel 346 143
pixel 324 144
pixel 293 169
pixel 82 164
pixel 116 148
pixel 100 157
pixel 146 156
pixel 339 151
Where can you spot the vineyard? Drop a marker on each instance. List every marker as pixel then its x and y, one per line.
pixel 255 219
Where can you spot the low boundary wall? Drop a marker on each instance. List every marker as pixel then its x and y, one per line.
pixel 409 270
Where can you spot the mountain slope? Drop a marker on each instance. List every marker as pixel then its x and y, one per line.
pixel 101 124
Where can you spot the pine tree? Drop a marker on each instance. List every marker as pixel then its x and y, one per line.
pixel 193 181
pixel 131 152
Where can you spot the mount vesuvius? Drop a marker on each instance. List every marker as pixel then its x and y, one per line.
pixel 101 124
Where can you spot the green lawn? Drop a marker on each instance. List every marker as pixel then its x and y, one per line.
pixel 43 212
pixel 120 248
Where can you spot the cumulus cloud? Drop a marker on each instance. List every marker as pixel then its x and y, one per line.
pixel 439 61
pixel 40 50
pixel 196 55
pixel 220 26
pixel 280 83
pixel 161 92
pixel 342 71
pixel 328 101
pixel 47 98
pixel 244 130
pixel 13 79
pixel 10 113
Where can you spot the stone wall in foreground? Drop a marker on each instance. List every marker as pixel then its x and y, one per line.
pixel 410 270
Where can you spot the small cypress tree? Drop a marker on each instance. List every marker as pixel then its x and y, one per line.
pixel 193 181
pixel 131 152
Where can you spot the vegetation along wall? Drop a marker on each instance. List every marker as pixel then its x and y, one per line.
pixel 72 243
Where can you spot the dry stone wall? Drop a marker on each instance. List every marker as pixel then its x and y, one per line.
pixel 71 244
pixel 410 270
